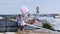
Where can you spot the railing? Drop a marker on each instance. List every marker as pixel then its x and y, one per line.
pixel 44 29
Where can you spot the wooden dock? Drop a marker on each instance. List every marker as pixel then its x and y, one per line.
pixel 33 32
pixel 27 32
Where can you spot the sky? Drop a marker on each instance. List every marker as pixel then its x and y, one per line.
pixel 45 6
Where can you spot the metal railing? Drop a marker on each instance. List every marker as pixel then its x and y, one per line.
pixel 44 29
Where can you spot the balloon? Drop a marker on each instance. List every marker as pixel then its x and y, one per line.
pixel 25 10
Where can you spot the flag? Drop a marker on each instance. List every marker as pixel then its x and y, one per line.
pixel 25 10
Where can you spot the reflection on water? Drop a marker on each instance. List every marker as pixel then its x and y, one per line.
pixel 1 17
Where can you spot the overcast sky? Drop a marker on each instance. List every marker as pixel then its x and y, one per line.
pixel 14 6
pixel 45 6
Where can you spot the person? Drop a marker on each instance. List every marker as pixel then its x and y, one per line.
pixel 21 23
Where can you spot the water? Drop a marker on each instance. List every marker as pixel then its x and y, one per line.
pixel 1 17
